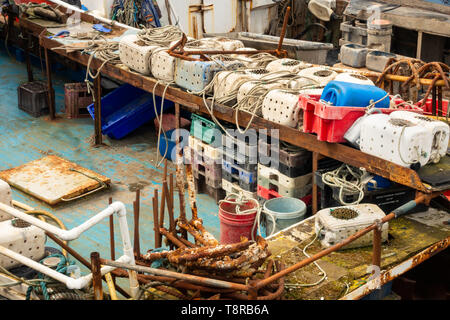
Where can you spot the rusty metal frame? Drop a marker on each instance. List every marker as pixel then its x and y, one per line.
pixel 177 50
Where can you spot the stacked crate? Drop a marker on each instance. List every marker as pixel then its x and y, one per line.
pixel 205 155
pixel 287 175
pixel 240 163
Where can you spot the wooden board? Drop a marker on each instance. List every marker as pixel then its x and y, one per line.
pixel 53 179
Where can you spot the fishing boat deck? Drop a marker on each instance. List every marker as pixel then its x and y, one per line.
pixel 130 163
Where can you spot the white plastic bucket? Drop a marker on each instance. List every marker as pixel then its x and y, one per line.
pixel 285 211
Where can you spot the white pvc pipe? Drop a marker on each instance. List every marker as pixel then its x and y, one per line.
pixel 71 283
pixel 99 18
pixel 72 234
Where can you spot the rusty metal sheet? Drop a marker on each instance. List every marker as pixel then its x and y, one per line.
pixel 53 179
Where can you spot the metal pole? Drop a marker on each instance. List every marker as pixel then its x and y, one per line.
pixel 96 276
pixel 51 101
pixel 315 160
pixel 136 207
pixel 97 110
pixel 376 254
pixel 27 55
pixel 156 225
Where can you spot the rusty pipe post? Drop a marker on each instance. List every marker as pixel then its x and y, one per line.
pixel 111 234
pixel 162 209
pixel 376 254
pixel 51 98
pixel 440 109
pixel 170 201
pixel 98 110
pixel 136 211
pixel 156 225
pixel 433 100
pixel 96 276
pixel 283 30
pixel 112 245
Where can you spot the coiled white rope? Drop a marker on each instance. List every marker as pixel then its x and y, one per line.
pixel 162 36
pixel 338 178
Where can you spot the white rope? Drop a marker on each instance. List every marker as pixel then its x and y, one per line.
pixel 240 200
pixel 338 179
pixel 160 119
pixel 324 274
pixel 162 36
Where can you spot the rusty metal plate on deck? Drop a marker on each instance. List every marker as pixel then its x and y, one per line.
pixel 53 179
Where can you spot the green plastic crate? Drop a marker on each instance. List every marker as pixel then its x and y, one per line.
pixel 204 129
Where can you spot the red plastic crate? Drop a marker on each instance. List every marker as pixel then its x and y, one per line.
pixel 428 108
pixel 169 122
pixel 330 123
pixel 270 194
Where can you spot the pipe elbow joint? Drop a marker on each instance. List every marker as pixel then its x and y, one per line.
pixel 119 208
pixel 70 235
pixel 76 284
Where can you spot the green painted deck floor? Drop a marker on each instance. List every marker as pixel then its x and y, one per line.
pixel 129 162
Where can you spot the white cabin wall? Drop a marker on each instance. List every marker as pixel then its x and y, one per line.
pixel 103 6
pixel 221 19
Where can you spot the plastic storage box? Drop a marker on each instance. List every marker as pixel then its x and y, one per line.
pixel 330 123
pixel 387 199
pixel 76 99
pixel 126 109
pixel 33 98
pixel 205 130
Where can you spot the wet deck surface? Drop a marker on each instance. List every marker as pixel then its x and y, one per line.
pixel 129 163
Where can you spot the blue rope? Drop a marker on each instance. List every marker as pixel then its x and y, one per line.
pixel 61 268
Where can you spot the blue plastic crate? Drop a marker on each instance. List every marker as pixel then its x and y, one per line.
pixel 126 109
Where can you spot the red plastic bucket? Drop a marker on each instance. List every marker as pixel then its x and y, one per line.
pixel 234 226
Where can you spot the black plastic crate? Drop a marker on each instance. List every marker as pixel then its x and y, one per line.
pixel 201 187
pixel 33 98
pixel 234 178
pixel 292 161
pixel 387 199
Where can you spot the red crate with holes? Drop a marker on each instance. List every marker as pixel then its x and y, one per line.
pixel 330 123
pixel 428 107
pixel 270 194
